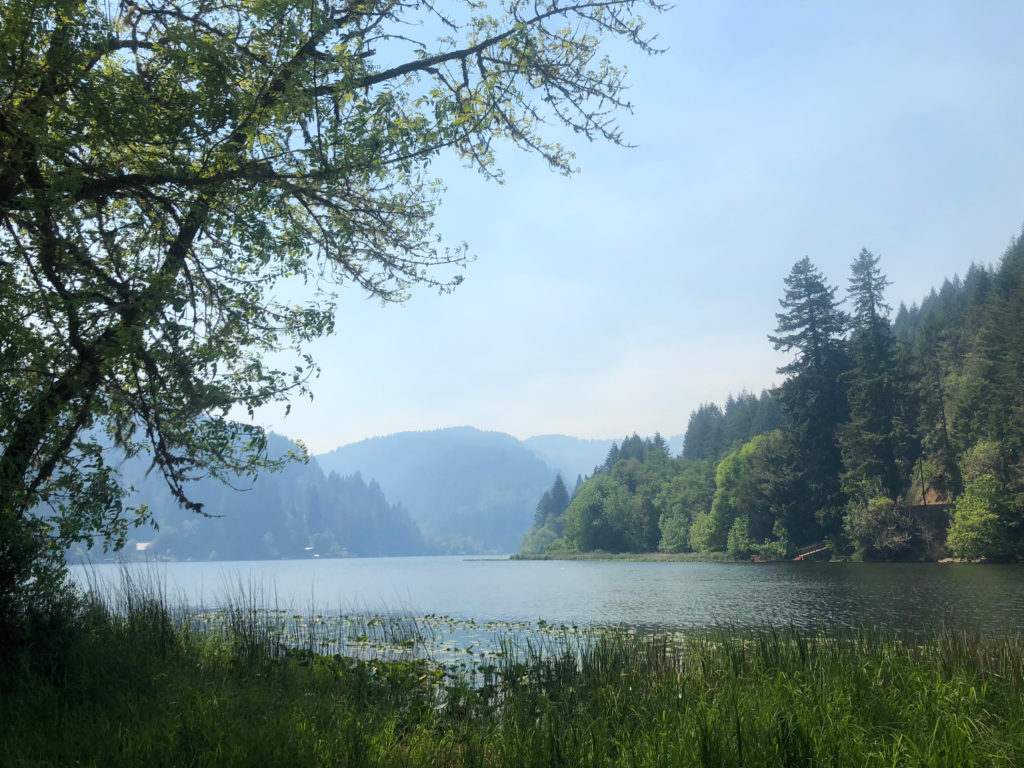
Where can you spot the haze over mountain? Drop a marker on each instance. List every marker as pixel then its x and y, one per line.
pixel 301 511
pixel 457 490
pixel 475 490
pixel 572 456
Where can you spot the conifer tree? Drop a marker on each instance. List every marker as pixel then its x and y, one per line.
pixel 812 325
pixel 933 421
pixel 997 362
pixel 614 454
pixel 559 496
pixel 552 506
pixel 704 433
pixel 576 488
pixel 878 447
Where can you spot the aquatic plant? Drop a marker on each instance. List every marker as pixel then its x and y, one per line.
pixel 253 684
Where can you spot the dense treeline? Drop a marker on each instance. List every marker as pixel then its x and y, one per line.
pixel 887 439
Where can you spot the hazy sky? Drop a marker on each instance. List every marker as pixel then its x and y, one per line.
pixel 619 299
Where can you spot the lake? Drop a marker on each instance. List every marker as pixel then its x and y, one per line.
pixel 647 596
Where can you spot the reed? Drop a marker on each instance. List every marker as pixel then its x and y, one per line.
pixel 139 683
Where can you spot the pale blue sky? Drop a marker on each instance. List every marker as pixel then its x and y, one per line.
pixel 619 299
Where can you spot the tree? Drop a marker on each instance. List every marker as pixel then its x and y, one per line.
pixel 878 448
pixel 610 460
pixel 881 529
pixel 757 494
pixel 813 326
pixel 681 500
pixel 997 365
pixel 165 167
pixel 933 423
pixel 740 543
pixel 735 493
pixel 552 506
pixel 704 438
pixel 982 524
pixel 596 517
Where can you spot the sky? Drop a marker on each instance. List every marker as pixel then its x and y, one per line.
pixel 621 298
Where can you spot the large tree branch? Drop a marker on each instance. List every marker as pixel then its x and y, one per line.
pixel 463 54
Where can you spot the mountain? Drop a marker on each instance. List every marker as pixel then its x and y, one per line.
pixel 300 511
pixel 476 491
pixel 449 490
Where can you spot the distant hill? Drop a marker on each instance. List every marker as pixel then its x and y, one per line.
pixel 300 511
pixel 474 490
pixel 477 491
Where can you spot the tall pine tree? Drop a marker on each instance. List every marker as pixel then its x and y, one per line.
pixel 878 446
pixel 552 505
pixel 812 325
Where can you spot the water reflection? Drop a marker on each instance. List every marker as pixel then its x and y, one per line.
pixel 650 596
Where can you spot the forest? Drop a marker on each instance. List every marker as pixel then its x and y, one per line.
pixel 301 511
pixel 469 490
pixel 889 438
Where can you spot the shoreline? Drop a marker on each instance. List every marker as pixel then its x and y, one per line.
pixel 234 694
pixel 724 557
pixel 646 557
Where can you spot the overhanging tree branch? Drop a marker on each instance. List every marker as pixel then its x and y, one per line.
pixel 162 170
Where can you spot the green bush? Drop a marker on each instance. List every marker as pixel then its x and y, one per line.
pixel 981 516
pixel 739 543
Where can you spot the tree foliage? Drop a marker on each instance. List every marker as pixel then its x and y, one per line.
pixel 878 446
pixel 681 500
pixel 813 327
pixel 166 168
pixel 982 520
pixel 712 431
pixel 548 519
pixel 552 504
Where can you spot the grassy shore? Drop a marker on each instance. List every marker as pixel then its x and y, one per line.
pixel 131 684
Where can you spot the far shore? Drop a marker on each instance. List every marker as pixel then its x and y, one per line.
pixel 702 557
pixel 652 557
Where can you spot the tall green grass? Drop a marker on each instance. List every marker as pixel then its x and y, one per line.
pixel 132 682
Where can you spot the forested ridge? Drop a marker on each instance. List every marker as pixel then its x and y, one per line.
pixel 890 437
pixel 470 490
pixel 301 511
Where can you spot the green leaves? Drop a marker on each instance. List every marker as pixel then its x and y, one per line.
pixel 982 521
pixel 166 168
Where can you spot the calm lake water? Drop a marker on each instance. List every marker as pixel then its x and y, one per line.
pixel 645 596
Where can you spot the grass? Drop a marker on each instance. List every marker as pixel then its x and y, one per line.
pixel 126 681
